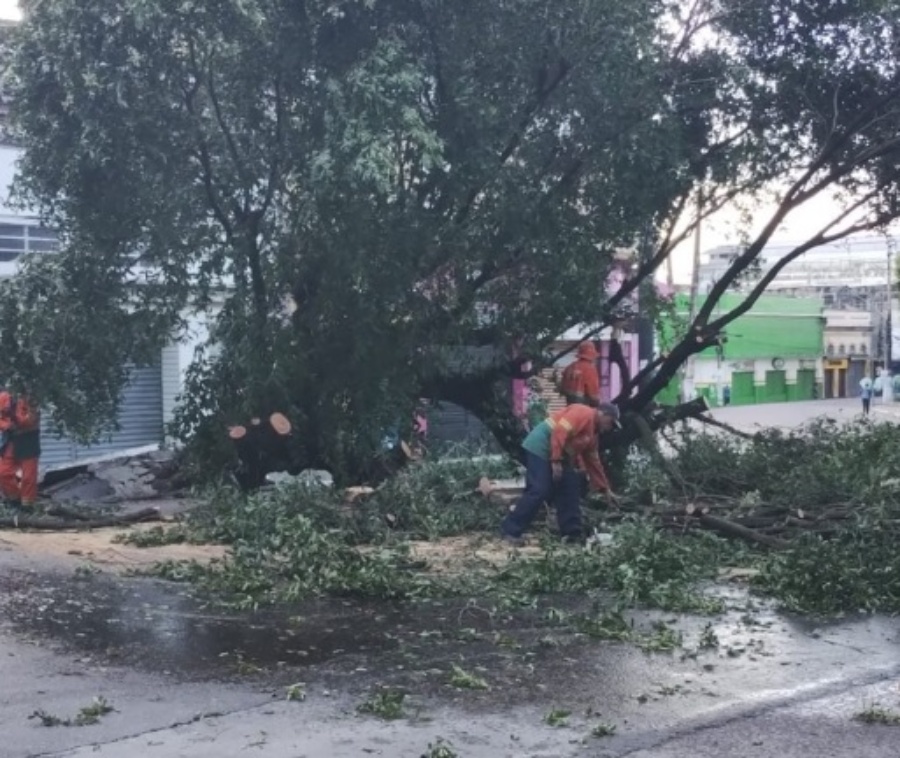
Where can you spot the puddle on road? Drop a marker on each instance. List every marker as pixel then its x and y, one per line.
pixel 153 625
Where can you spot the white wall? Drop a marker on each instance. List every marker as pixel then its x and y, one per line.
pixel 177 357
pixel 8 158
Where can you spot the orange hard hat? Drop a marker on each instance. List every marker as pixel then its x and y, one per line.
pixel 588 351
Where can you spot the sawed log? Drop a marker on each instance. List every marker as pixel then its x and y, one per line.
pixel 58 524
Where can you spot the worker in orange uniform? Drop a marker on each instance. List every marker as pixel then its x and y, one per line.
pixel 555 451
pixel 21 449
pixel 580 381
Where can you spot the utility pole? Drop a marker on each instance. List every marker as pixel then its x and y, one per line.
pixel 687 387
pixel 645 295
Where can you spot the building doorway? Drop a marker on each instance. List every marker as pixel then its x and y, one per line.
pixel 836 378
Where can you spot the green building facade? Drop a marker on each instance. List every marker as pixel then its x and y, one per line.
pixel 771 354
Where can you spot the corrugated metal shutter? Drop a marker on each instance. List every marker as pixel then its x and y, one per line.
pixel 450 424
pixel 140 423
pixel 171 380
pixel 55 451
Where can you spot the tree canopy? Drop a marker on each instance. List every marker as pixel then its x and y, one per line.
pixel 363 191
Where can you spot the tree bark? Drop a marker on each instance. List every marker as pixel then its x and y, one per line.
pixel 730 529
pixel 57 524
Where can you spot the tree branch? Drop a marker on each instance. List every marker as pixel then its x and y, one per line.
pixel 218 210
pixel 562 69
pixel 239 164
pixel 820 238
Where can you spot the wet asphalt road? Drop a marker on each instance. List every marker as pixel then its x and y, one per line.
pixel 188 681
pixel 752 418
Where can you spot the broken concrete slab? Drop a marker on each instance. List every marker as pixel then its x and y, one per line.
pixel 83 488
pixel 115 479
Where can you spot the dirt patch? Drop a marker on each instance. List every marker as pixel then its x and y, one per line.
pixel 455 555
pixel 98 547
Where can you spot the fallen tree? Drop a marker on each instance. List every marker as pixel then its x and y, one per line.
pixel 395 203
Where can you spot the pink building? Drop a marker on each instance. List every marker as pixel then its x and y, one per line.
pixel 611 380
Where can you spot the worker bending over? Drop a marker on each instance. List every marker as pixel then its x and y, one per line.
pixel 556 451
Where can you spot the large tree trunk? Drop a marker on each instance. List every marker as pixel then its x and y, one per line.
pixel 489 399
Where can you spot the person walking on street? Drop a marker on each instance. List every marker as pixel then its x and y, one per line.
pixel 865 393
pixel 580 381
pixel 556 451
pixel 20 450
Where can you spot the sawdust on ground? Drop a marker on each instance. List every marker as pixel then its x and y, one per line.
pixel 446 556
pixel 98 547
pixel 455 555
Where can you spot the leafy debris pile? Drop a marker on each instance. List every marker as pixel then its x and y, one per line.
pixel 825 493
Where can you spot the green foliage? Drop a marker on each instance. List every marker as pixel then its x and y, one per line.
pixel 462 679
pixel 440 749
pixel 558 717
pixel 296 692
pixel 824 468
pixel 358 182
pixel 662 639
pixel 856 570
pixel 709 640
pixel 86 716
pixel 613 626
pixel 608 626
pixel 158 535
pixel 603 730
pixel 876 714
pixel 386 705
pixel 822 464
pixel 71 332
pixel 295 541
pixel 653 568
pixel 435 498
pixel 644 566
pixel 427 500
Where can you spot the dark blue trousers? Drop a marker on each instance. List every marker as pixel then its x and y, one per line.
pixel 539 489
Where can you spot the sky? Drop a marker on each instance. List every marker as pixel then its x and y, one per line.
pixel 726 228
pixel 9 9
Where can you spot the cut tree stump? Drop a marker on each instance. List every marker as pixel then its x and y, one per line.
pixel 280 424
pixel 261 448
pixel 354 494
pixel 500 491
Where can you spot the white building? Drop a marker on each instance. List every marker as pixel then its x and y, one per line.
pixel 854 279
pixel 149 399
pixel 856 263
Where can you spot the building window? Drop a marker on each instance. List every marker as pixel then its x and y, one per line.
pixel 16 239
pixel 842 350
pixel 830 350
pixel 852 349
pixel 862 349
